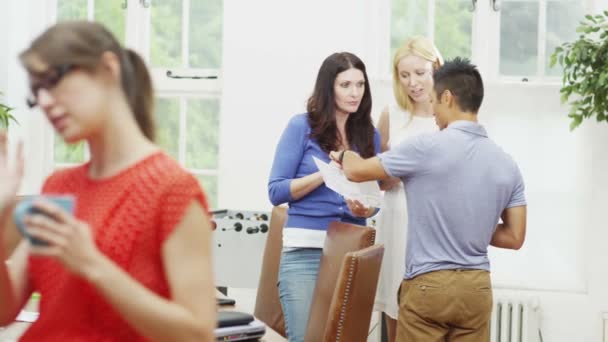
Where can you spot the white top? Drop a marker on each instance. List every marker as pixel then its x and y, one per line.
pixel 302 238
pixel 391 224
pixel 403 125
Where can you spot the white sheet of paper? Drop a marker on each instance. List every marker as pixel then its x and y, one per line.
pixel 27 316
pixel 367 193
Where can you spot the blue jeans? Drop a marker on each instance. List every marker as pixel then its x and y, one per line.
pixel 297 277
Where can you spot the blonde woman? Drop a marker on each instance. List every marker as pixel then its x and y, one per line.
pixel 410 114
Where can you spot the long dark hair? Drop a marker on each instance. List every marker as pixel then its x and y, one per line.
pixel 322 108
pixel 81 44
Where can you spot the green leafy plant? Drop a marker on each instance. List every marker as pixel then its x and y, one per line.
pixel 5 115
pixel 585 64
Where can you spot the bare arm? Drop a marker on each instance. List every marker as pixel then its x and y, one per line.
pixel 13 281
pixel 191 316
pixel 14 289
pixel 512 232
pixel 384 130
pixel 301 187
pixel 357 169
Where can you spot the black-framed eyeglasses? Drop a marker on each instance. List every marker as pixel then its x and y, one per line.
pixel 47 82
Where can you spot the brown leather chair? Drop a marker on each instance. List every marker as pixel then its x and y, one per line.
pixel 267 304
pixel 351 308
pixel 341 239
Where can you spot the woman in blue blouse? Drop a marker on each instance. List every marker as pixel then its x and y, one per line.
pixel 338 118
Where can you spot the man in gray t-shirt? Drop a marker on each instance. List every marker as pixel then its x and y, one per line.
pixel 458 183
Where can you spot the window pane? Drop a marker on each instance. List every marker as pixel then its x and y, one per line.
pixel 71 9
pixel 206 34
pixel 518 37
pixel 167 125
pixel 64 153
pixel 453 28
pixel 203 133
pixel 166 33
pixel 112 15
pixel 562 20
pixel 209 184
pixel 408 18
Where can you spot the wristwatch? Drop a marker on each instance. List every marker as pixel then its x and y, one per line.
pixel 341 157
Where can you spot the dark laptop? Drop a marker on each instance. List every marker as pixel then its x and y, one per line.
pixel 238 326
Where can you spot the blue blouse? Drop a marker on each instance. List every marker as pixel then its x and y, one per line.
pixel 293 159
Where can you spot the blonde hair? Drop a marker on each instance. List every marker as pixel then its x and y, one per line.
pixel 418 46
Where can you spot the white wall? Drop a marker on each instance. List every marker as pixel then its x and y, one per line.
pixel 22 21
pixel 272 51
pixel 3 55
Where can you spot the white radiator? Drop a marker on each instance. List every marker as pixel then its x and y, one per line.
pixel 515 319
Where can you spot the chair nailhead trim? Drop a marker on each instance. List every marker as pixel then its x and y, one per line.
pixel 349 281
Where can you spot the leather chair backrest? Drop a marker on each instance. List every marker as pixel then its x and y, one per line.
pixel 267 305
pixel 341 238
pixel 351 308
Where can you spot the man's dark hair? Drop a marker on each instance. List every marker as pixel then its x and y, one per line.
pixel 463 80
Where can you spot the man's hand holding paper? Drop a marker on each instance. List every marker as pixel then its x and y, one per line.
pixel 366 193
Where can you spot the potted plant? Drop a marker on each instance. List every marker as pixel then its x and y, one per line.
pixel 5 115
pixel 585 64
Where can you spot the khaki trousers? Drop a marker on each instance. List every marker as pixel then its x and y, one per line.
pixel 446 305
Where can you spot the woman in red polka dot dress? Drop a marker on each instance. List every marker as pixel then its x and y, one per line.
pixel 133 262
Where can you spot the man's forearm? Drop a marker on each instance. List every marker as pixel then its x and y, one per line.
pixel 357 169
pixel 351 164
pixel 504 237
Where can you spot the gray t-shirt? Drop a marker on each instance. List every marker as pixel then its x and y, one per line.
pixel 457 182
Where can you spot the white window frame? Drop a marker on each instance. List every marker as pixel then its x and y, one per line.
pixel 540 77
pixel 485 41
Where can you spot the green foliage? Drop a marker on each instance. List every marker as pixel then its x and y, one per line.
pixel 453 20
pixel 585 76
pixel 72 10
pixel 209 185
pixel 5 116
pixel 408 18
pixel 453 28
pixel 206 23
pixel 111 14
pixel 205 34
pixel 166 34
pixel 202 134
pixel 108 12
pixel 518 38
pixel 68 153
pixel 167 123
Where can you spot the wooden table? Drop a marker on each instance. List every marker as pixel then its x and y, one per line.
pixel 15 330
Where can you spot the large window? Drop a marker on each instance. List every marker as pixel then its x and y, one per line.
pixel 447 22
pixel 527 31
pixel 182 42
